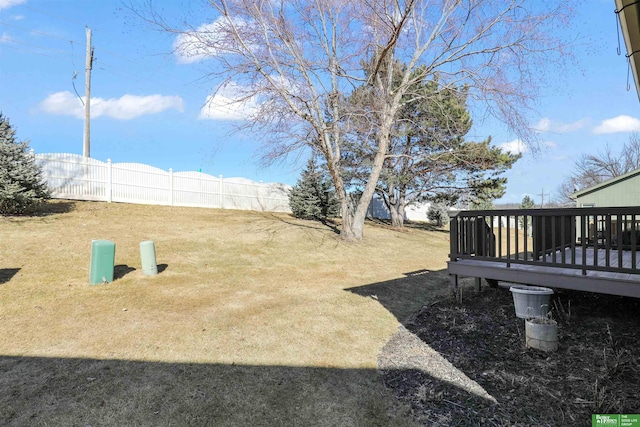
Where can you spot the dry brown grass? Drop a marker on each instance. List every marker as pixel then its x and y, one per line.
pixel 520 249
pixel 248 303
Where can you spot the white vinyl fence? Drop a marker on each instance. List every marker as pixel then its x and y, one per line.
pixel 71 176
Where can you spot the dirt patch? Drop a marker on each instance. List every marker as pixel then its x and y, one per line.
pixel 467 364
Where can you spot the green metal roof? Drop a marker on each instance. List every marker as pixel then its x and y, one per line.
pixel 605 184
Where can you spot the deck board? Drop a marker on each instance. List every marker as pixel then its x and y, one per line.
pixel 617 283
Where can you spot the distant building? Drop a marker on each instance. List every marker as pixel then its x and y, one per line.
pixel 377 209
pixel 623 190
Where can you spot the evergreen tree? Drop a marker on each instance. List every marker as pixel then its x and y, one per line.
pixel 21 185
pixel 527 203
pixel 482 204
pixel 438 214
pixel 313 196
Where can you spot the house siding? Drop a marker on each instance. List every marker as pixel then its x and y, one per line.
pixel 621 193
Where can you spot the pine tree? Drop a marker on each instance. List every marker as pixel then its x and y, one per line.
pixel 21 185
pixel 313 196
pixel 438 214
pixel 527 203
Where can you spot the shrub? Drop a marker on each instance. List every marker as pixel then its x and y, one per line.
pixel 438 214
pixel 22 188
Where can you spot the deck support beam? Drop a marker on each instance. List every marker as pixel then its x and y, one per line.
pixel 453 278
pixel 552 278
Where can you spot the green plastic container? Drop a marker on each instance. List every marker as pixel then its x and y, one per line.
pixel 103 256
pixel 148 257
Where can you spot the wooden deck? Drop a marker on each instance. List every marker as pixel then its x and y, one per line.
pixel 482 251
pixel 608 282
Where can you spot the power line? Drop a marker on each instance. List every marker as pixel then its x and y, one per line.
pixel 58 54
pixel 153 70
pixel 63 18
pixel 42 33
pixel 108 52
pixel 44 49
pixel 18 48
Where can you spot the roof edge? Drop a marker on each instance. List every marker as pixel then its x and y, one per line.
pixel 628 14
pixel 605 184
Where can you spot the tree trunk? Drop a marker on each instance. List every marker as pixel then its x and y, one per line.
pixel 353 220
pixel 401 206
pixel 392 205
pixel 397 218
pixel 360 214
pixel 396 207
pixel 347 230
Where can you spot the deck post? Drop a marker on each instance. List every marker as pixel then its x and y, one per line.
pixel 453 237
pixel 454 284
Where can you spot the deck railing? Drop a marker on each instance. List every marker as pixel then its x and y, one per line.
pixel 600 239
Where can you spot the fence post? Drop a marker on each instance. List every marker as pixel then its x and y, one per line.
pixel 261 191
pixel 221 192
pixel 109 182
pixel 171 186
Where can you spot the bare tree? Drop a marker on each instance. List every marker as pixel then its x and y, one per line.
pixel 294 63
pixel 592 169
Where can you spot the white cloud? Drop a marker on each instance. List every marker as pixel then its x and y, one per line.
pixel 124 108
pixel 548 125
pixel 62 103
pixel 207 41
pixel 5 38
pixel 544 125
pixel 515 147
pixel 197 45
pixel 17 17
pixel 6 4
pixel 228 104
pixel 618 124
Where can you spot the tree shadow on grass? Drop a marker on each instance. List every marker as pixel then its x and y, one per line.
pixel 53 207
pixel 408 224
pixel 7 274
pixel 329 223
pixel 405 296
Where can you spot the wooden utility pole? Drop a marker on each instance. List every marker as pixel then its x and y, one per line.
pixel 86 150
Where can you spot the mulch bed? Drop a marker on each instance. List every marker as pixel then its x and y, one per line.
pixel 596 369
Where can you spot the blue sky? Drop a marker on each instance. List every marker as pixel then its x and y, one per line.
pixel 147 103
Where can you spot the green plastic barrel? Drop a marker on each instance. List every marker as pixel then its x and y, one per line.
pixel 103 256
pixel 148 257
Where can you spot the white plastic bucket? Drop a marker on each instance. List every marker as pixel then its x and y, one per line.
pixel 542 334
pixel 531 301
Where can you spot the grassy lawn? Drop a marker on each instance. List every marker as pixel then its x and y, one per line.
pixel 255 319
